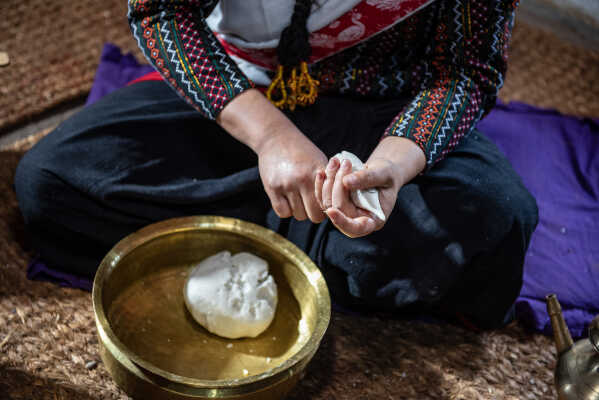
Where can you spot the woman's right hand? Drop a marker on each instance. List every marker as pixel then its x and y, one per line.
pixel 287 159
pixel 288 162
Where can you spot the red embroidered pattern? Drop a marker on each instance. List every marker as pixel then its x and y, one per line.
pixel 176 40
pixel 152 37
pixel 203 68
pixel 430 112
pixel 465 123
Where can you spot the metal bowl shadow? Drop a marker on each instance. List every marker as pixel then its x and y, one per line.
pixel 154 349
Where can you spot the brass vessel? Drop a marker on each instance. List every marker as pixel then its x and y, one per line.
pixel 154 349
pixel 577 370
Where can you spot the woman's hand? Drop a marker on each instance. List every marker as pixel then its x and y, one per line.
pixel 287 159
pixel 288 163
pixel 334 187
pixel 393 163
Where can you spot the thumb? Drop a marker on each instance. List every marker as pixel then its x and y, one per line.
pixel 366 179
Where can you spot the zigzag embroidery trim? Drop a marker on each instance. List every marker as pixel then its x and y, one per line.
pixel 458 31
pixel 496 32
pixel 174 59
pixel 218 51
pixel 406 117
pixel 444 132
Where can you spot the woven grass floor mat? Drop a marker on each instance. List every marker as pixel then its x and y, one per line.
pixel 547 72
pixel 47 336
pixel 54 48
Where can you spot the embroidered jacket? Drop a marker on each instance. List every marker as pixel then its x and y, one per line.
pixel 449 58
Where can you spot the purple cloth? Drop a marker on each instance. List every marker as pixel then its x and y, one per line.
pixel 115 71
pixel 556 157
pixel 38 271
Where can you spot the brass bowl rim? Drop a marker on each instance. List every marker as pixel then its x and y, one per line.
pixel 248 229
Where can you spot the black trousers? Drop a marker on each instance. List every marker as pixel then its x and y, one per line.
pixel 455 242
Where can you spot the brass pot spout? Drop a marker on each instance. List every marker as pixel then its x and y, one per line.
pixel 561 333
pixel 577 370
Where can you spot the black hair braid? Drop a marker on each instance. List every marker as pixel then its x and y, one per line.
pixel 294 45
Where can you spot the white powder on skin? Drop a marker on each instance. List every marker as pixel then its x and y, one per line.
pixel 232 296
pixel 366 199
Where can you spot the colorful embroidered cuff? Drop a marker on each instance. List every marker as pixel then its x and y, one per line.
pixel 175 38
pixel 437 118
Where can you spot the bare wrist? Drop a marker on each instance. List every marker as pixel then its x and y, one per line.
pixel 253 120
pixel 406 157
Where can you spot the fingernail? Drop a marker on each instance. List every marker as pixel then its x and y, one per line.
pixel 329 166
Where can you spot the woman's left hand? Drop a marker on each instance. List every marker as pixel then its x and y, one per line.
pixel 393 163
pixel 334 186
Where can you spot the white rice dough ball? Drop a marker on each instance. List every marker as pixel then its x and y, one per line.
pixel 232 296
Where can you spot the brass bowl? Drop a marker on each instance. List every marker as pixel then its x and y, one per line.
pixel 152 346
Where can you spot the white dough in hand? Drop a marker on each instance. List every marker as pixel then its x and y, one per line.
pixel 367 199
pixel 232 296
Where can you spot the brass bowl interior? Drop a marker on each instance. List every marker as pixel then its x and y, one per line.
pixel 146 317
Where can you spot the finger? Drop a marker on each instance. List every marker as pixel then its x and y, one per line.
pixel 327 187
pixel 280 205
pixel 352 227
pixel 313 209
pixel 297 206
pixel 318 182
pixel 341 196
pixel 366 179
pixel 379 223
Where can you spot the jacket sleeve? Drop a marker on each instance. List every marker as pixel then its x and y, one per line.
pixel 174 37
pixel 464 74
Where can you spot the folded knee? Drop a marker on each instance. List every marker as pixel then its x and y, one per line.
pixel 502 204
pixel 36 188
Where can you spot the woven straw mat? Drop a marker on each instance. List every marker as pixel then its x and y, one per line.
pixel 54 48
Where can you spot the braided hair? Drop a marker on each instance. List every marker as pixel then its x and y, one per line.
pixel 294 46
pixel 292 84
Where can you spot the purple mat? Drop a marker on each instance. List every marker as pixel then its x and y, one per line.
pixel 115 71
pixel 555 155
